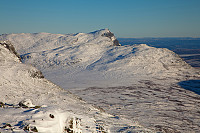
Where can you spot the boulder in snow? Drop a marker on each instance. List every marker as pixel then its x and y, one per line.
pixel 27 103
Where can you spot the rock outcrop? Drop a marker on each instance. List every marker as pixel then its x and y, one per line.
pixel 112 37
pixel 10 47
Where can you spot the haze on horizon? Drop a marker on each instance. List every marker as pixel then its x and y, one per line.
pixel 126 18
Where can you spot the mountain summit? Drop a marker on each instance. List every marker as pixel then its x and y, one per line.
pixel 107 33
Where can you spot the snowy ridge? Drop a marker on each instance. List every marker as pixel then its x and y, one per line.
pixel 93 59
pixel 31 42
pixel 31 103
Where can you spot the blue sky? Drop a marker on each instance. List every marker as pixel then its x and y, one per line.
pixel 126 18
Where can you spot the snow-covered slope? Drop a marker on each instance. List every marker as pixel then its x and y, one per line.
pixel 82 60
pixel 31 103
pixel 85 60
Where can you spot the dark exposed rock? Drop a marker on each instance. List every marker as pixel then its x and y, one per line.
pixel 7 125
pixel 37 107
pixel 27 128
pixel 26 103
pixel 112 38
pixel 10 47
pixel 1 104
pixel 37 74
pixel 34 129
pixel 116 43
pixel 51 116
pixel 108 34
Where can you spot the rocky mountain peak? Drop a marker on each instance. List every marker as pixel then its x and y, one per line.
pixel 107 33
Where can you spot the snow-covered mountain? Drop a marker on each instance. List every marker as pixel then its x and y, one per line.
pixel 94 65
pixel 95 59
pixel 31 103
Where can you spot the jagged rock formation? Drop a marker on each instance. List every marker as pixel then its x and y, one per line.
pixel 112 37
pixel 10 47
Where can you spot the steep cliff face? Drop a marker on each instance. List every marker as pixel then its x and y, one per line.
pixel 10 47
pixel 110 35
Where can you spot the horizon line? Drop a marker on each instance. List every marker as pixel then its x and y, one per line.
pixel 112 32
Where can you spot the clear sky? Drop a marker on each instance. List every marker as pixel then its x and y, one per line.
pixel 126 18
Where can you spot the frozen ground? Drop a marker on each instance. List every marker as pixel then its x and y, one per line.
pixel 155 82
pixel 172 108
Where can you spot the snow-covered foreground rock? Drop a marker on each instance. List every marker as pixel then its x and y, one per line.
pixel 153 89
pixel 31 103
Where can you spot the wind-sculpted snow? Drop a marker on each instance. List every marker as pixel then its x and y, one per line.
pixel 31 103
pixel 80 61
